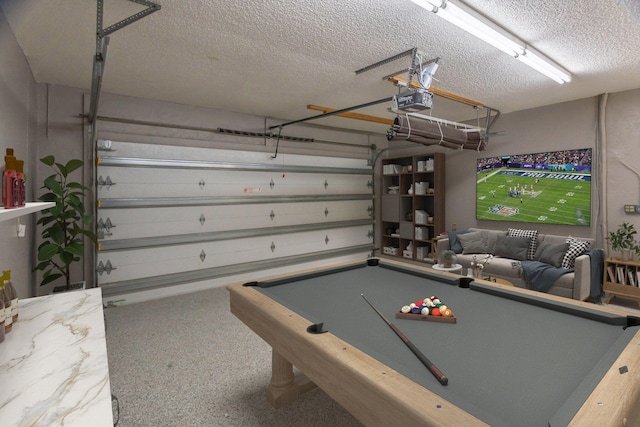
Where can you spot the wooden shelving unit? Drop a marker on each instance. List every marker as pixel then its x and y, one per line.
pixel 413 205
pixel 622 278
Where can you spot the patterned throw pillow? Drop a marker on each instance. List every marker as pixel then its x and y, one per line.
pixel 576 248
pixel 532 234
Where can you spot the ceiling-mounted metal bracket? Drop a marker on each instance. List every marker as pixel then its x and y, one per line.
pixel 415 54
pixel 151 7
pixel 411 52
pixel 102 42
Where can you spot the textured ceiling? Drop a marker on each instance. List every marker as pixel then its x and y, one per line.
pixel 274 57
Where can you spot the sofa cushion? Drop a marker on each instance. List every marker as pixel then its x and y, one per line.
pixel 532 234
pixel 454 242
pixel 472 243
pixel 576 248
pixel 512 247
pixel 491 236
pixel 551 253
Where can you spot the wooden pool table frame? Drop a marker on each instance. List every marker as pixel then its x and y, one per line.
pixel 376 394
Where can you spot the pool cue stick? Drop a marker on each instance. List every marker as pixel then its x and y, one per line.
pixel 425 361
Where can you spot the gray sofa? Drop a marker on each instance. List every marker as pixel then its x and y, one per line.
pixel 575 285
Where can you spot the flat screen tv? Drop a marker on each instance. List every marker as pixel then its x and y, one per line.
pixel 550 187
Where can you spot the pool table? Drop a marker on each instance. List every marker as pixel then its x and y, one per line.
pixel 513 357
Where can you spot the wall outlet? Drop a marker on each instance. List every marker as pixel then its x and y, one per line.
pixel 632 209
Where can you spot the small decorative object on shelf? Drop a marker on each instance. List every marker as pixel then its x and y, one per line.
pixel 477 267
pixel 447 259
pixel 623 240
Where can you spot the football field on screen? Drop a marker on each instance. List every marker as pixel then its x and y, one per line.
pixel 525 195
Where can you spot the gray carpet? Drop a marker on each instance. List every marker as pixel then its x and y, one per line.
pixel 187 361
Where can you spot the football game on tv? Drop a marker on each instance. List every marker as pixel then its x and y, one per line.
pixel 551 187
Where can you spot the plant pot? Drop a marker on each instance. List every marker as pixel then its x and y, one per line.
pixel 72 287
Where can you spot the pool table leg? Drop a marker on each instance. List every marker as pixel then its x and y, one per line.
pixel 285 387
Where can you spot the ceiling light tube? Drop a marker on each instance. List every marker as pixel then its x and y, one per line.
pixel 485 31
pixel 477 25
pixel 543 66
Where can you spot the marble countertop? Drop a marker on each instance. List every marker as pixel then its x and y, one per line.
pixel 53 364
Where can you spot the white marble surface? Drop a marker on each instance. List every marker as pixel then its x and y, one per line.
pixel 53 364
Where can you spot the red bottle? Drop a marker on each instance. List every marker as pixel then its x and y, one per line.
pixel 8 174
pixel 9 184
pixel 19 189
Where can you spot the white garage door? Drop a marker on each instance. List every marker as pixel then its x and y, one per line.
pixel 168 215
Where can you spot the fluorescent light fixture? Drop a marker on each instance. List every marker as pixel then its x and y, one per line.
pixel 477 25
pixel 538 63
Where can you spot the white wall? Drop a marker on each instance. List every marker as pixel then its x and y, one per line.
pixel 18 131
pixel 623 157
pixel 556 127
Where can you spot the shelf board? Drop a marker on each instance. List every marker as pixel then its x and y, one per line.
pixel 6 214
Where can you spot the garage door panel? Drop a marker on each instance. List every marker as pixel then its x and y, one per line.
pixel 171 221
pixel 129 182
pixel 157 261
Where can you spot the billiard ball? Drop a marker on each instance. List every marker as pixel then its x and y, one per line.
pixel 425 311
pixel 405 309
pixel 447 312
pixel 435 311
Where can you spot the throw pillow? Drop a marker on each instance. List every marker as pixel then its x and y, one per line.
pixel 532 234
pixel 576 248
pixel 454 242
pixel 490 239
pixel 472 243
pixel 551 253
pixel 512 247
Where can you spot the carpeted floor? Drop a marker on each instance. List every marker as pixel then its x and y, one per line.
pixel 187 361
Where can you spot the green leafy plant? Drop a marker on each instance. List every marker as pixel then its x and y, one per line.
pixel 448 258
pixel 64 226
pixel 623 239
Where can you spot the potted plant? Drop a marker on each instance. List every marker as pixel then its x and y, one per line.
pixel 64 226
pixel 623 240
pixel 448 258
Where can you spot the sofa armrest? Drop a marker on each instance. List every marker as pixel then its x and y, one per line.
pixel 441 246
pixel 582 278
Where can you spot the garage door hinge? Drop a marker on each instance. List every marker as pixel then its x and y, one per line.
pixel 102 268
pixel 102 182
